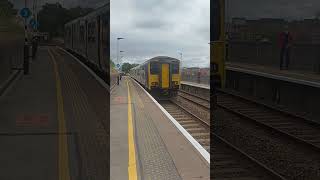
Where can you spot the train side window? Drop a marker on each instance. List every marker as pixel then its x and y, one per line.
pixel 175 68
pixel 154 68
pixel 82 34
pixel 91 30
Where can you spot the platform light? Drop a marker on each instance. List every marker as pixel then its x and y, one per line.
pixel 118 39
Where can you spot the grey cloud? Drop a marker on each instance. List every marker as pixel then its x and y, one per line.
pixel 165 27
pixel 151 24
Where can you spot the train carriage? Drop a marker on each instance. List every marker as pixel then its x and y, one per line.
pixel 89 36
pixel 159 74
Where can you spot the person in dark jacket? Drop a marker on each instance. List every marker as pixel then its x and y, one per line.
pixel 34 47
pixel 285 48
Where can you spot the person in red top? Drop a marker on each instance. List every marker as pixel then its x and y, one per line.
pixel 285 45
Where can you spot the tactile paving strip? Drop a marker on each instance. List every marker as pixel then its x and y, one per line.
pixel 93 139
pixel 155 160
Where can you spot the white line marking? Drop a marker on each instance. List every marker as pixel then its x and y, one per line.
pixel 104 84
pixel 277 77
pixel 195 144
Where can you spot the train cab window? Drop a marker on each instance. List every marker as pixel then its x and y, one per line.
pixel 154 68
pixel 175 68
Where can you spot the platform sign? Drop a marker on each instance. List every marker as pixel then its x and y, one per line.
pixel 25 12
pixel 33 23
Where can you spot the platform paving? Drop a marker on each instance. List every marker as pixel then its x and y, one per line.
pixel 34 144
pixel 119 132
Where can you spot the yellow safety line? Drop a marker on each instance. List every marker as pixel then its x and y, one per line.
pixel 63 161
pixel 132 167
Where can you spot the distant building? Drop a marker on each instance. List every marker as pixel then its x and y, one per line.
pixel 268 30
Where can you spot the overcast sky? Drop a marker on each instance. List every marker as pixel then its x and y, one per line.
pixel 161 27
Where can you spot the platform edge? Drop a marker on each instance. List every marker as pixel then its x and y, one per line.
pixel 105 85
pixel 204 153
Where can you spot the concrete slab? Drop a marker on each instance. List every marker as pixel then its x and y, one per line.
pixel 28 125
pixel 29 128
pixel 119 132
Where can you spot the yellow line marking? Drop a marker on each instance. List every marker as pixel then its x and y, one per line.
pixel 63 161
pixel 132 166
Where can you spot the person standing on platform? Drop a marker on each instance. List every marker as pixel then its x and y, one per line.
pixel 34 46
pixel 285 47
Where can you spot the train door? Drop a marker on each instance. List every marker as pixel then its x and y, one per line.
pixel 146 72
pixel 72 36
pixel 86 38
pixel 165 76
pixel 99 40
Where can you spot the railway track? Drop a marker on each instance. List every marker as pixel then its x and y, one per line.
pixel 293 126
pixel 195 126
pixel 200 101
pixel 231 163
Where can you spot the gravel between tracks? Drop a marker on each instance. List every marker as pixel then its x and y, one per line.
pixel 278 153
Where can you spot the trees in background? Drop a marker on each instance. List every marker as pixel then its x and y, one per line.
pixel 53 17
pixel 6 8
pixel 127 66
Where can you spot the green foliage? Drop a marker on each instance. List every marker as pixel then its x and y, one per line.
pixel 53 17
pixel 6 8
pixel 127 66
pixel 9 25
pixel 112 63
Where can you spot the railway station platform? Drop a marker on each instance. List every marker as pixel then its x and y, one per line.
pixel 54 122
pixel 204 86
pixel 292 76
pixel 145 143
pixel 293 91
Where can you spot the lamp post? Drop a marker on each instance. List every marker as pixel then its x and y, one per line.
pixel 121 56
pixel 118 39
pixel 180 56
pixel 26 45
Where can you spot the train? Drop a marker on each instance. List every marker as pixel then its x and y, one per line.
pixel 89 37
pixel 159 75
